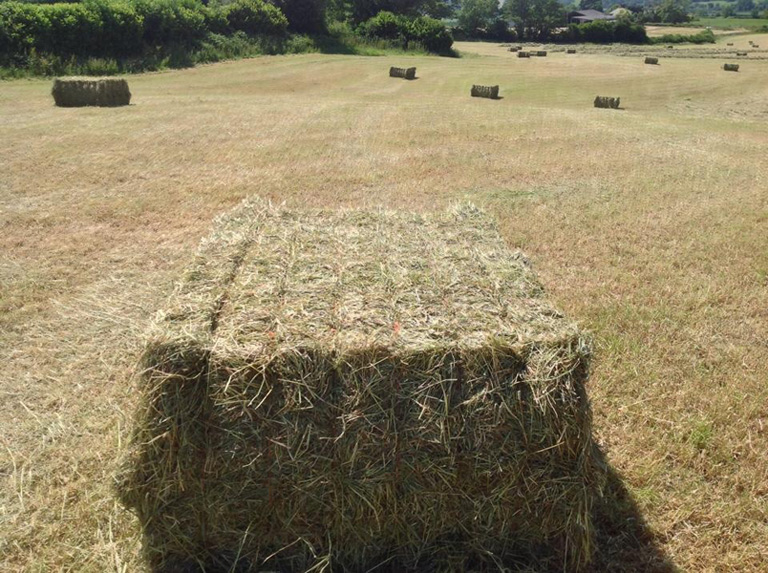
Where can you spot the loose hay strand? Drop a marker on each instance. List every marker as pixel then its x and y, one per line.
pixel 351 388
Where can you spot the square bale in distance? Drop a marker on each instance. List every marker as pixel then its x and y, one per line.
pixel 348 388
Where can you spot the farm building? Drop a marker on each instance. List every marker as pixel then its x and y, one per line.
pixel 585 16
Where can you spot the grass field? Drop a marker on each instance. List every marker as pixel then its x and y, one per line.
pixel 732 23
pixel 648 225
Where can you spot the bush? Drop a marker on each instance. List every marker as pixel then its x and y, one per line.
pixel 384 26
pixel 605 32
pixel 171 21
pixel 428 32
pixel 703 37
pixel 256 17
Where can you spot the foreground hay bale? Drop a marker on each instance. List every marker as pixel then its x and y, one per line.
pixel 607 102
pixel 654 61
pixel 731 67
pixel 81 92
pixel 490 92
pixel 407 73
pixel 348 388
pixel 523 54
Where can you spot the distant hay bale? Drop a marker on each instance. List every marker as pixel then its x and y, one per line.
pixel 654 61
pixel 607 102
pixel 755 45
pixel 523 55
pixel 81 92
pixel 570 51
pixel 407 73
pixel 490 92
pixel 731 67
pixel 729 44
pixel 514 49
pixel 541 53
pixel 670 47
pixel 741 53
pixel 330 390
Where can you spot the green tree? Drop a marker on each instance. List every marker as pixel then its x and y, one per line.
pixel 303 15
pixel 591 5
pixel 673 11
pixel 745 5
pixel 535 19
pixel 478 14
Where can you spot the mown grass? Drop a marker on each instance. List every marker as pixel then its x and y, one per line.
pixel 647 225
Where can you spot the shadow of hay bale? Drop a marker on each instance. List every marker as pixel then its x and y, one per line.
pixel 623 540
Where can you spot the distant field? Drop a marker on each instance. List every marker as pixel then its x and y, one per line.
pixel 732 23
pixel 647 225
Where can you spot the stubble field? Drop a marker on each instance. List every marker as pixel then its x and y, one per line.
pixel 648 225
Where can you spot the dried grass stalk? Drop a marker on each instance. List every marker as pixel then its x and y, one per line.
pixel 731 67
pixel 356 388
pixel 490 92
pixel 407 73
pixel 607 102
pixel 81 92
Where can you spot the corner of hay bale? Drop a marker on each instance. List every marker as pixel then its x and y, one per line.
pixel 320 391
pixel 81 92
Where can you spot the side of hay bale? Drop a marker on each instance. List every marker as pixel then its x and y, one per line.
pixel 490 92
pixel 541 53
pixel 607 102
pixel 81 92
pixel 741 53
pixel 406 73
pixel 340 389
pixel 731 67
pixel 650 60
pixel 514 49
pixel 523 54
pixel 570 51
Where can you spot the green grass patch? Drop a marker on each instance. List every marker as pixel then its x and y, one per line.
pixel 757 24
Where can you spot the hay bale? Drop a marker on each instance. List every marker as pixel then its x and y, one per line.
pixel 755 45
pixel 523 54
pixel 654 61
pixel 729 44
pixel 490 92
pixel 607 102
pixel 347 388
pixel 670 47
pixel 731 67
pixel 541 53
pixel 81 92
pixel 570 51
pixel 741 53
pixel 514 49
pixel 407 73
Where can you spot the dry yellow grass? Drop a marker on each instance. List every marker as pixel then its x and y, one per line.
pixel 648 225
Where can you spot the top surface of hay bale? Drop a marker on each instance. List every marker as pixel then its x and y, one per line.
pixel 343 280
